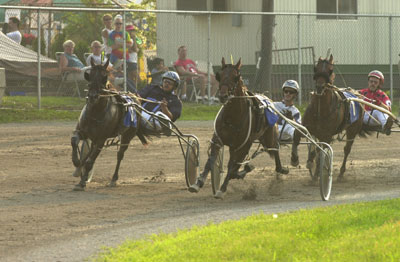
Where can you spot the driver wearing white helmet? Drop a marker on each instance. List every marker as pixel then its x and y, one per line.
pixel 162 101
pixel 290 91
pixel 375 95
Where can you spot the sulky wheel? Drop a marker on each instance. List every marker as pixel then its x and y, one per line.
pixel 192 160
pixel 325 172
pixel 217 171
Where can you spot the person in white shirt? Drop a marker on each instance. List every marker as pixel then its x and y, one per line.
pixel 107 21
pixel 290 91
pixel 96 54
pixel 13 30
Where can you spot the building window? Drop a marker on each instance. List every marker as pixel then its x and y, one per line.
pixel 191 5
pixel 337 7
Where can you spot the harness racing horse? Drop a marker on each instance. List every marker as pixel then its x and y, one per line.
pixel 328 114
pixel 238 125
pixel 102 118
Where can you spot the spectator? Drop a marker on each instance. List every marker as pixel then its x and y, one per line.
pixel 132 63
pixel 13 30
pixel 116 42
pixel 69 62
pixel 107 21
pixel 187 68
pixel 166 106
pixel 158 70
pixel 290 91
pixel 375 95
pixel 96 54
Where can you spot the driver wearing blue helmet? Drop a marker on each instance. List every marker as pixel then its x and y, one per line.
pixel 162 101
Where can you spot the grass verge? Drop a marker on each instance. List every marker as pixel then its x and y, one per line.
pixel 355 232
pixel 24 109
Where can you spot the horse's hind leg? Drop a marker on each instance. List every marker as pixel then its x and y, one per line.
pixel 270 142
pixel 347 149
pixel 125 139
pixel 294 159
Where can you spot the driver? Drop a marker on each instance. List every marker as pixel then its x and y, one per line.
pixel 163 102
pixel 290 91
pixel 375 95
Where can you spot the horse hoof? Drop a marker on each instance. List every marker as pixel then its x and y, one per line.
pixel 112 184
pixel 341 179
pixel 79 187
pixel 283 171
pixel 219 195
pixel 294 162
pixel 194 188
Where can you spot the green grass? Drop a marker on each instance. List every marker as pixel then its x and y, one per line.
pixel 354 232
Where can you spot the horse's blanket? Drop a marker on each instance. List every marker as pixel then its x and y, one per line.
pixel 130 118
pixel 354 109
pixel 270 114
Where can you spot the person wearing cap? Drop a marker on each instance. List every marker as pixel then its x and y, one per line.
pixel 163 102
pixel 290 91
pixel 375 95
pixel 132 62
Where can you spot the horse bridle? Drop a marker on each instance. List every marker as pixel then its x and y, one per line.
pixel 326 76
pixel 231 88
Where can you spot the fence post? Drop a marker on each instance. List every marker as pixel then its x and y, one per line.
pixel 390 58
pixel 299 57
pixel 124 48
pixel 2 83
pixel 208 61
pixel 39 82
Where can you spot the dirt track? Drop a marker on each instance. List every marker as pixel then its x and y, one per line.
pixel 39 210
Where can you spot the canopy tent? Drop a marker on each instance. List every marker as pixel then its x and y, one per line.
pixel 18 59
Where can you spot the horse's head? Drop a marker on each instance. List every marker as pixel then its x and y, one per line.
pixel 228 79
pixel 323 74
pixel 97 79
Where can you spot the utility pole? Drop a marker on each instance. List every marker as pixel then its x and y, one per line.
pixel 263 78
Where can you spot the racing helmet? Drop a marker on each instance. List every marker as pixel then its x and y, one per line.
pixel 172 76
pixel 377 74
pixel 292 84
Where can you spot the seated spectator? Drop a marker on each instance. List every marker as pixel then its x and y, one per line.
pixel 69 62
pixel 290 91
pixel 158 71
pixel 13 30
pixel 187 68
pixel 96 54
pixel 166 105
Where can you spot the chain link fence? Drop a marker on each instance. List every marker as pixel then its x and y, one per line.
pixel 359 45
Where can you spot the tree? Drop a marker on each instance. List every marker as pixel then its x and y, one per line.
pixel 147 31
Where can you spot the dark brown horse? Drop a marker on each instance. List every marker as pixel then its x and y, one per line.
pixel 238 124
pixel 102 118
pixel 328 114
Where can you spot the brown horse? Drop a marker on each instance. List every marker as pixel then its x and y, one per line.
pixel 238 124
pixel 328 114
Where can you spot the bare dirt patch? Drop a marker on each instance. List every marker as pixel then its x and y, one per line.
pixel 38 205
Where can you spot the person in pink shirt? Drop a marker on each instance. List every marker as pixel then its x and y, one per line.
pixel 375 95
pixel 187 68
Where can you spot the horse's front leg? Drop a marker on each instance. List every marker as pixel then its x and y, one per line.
pixel 88 165
pixel 347 149
pixel 294 160
pixel 75 144
pixel 215 147
pixel 125 140
pixel 235 158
